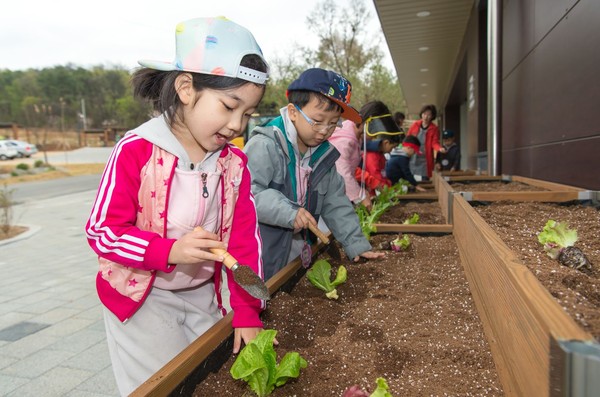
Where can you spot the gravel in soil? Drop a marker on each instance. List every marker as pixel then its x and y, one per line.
pixel 408 318
pixel 475 186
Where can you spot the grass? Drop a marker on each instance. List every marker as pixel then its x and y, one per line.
pixel 61 171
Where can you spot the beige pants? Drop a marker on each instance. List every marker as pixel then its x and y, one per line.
pixel 167 323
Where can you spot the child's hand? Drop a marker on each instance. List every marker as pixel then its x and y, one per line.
pixel 194 247
pixel 367 203
pixel 303 218
pixel 246 335
pixel 369 255
pixel 420 189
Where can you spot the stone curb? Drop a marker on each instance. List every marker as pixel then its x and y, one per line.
pixel 32 229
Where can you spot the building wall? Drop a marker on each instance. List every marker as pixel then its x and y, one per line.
pixel 550 90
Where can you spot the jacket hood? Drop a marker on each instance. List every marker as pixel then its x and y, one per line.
pixel 158 132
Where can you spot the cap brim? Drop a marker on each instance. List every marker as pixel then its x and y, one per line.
pixel 349 113
pixel 158 65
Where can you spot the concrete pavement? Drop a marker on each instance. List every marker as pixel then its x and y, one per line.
pixel 52 339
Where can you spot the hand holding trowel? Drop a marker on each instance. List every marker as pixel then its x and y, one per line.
pixel 243 275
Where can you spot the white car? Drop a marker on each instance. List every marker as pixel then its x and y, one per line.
pixel 24 149
pixel 7 152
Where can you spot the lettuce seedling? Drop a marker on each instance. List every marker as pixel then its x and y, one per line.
pixel 380 391
pixel 400 243
pixel 413 220
pixel 559 243
pixel 257 365
pixel 320 276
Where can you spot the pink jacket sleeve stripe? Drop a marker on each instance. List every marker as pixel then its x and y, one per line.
pixel 111 227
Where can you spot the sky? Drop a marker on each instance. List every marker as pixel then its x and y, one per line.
pixel 41 33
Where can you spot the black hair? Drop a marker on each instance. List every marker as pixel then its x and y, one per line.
pixel 431 108
pixel 158 87
pixel 373 108
pixel 398 117
pixel 394 139
pixel 412 139
pixel 301 97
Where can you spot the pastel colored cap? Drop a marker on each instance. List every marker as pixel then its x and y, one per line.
pixel 332 85
pixel 213 46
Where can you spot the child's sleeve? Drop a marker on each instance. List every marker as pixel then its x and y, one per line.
pixel 346 168
pixel 267 168
pixel 245 246
pixel 339 215
pixel 111 228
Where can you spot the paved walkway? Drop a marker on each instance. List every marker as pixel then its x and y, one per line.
pixel 52 340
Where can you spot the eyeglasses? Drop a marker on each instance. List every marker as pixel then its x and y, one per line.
pixel 318 126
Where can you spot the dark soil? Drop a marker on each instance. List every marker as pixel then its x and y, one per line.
pixel 518 225
pixel 408 318
pixel 475 186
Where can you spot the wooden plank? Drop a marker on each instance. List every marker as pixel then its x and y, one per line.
pixel 545 184
pixel 418 196
pixel 416 228
pixel 445 193
pixel 540 196
pixel 458 173
pixel 518 314
pixel 474 178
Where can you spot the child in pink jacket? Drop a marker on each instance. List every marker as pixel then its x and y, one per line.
pixel 172 189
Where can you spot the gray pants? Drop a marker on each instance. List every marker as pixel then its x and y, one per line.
pixel 166 324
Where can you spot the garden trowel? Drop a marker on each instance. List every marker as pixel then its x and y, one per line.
pixel 243 275
pixel 332 249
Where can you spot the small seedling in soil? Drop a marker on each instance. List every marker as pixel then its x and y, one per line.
pixel 559 243
pixel 380 391
pixel 320 276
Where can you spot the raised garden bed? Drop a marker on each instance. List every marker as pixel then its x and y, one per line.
pixel 527 329
pixel 409 318
pixel 522 321
pixel 518 224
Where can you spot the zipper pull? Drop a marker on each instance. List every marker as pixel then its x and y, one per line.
pixel 204 189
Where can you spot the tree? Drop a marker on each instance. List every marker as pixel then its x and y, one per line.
pixel 346 48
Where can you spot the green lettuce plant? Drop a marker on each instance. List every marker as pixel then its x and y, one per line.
pixel 320 276
pixel 257 365
pixel 559 243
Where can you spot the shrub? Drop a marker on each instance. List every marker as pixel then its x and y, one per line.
pixel 38 163
pixel 23 166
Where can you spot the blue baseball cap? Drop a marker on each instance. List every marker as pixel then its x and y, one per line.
pixel 448 134
pixel 331 84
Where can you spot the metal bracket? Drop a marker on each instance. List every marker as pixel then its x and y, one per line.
pixel 593 195
pixel 506 178
pixel 574 368
pixel 450 214
pixel 468 196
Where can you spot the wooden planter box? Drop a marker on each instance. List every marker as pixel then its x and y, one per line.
pixel 525 327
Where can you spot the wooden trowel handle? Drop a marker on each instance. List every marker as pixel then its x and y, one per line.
pixel 228 260
pixel 318 233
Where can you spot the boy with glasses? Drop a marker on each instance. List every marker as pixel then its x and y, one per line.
pixel 294 179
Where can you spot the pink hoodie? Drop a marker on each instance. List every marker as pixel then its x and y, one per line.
pixel 346 142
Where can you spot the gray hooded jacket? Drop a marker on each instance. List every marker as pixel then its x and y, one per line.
pixel 270 152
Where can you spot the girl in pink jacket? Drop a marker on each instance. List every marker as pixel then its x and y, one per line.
pixel 172 189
